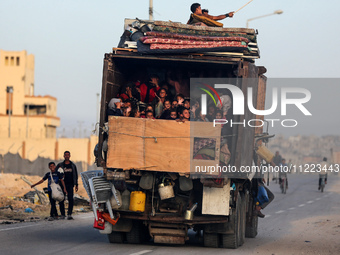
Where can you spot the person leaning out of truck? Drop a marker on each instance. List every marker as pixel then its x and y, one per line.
pixel 199 18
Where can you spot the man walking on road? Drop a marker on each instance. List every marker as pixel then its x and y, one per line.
pixel 70 179
pixel 277 161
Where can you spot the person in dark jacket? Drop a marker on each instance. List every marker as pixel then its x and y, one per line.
pixel 70 176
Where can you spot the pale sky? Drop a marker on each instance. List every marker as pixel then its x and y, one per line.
pixel 70 37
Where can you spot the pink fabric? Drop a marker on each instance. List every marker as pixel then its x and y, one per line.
pixel 154 46
pixel 188 42
pixel 193 37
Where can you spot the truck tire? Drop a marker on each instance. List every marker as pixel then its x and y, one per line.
pixel 210 240
pixel 251 228
pixel 242 233
pixel 116 237
pixel 135 235
pixel 232 241
pixel 251 221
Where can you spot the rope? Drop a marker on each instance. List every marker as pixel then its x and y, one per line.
pixel 244 6
pixel 176 137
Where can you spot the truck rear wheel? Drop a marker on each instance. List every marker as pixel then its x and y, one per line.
pixel 232 241
pixel 135 235
pixel 251 222
pixel 251 228
pixel 210 240
pixel 116 237
pixel 242 233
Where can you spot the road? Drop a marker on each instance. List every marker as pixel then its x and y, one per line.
pixel 302 201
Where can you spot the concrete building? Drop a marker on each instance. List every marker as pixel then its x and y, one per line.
pixel 22 114
pixel 28 123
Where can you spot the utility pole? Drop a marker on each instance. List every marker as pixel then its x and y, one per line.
pixel 150 9
pixel 97 115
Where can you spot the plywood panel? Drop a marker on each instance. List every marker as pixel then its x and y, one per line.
pixel 156 145
pixel 216 200
pixel 205 130
pixel 171 152
pixel 125 144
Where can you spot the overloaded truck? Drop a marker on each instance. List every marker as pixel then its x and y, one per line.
pixel 164 176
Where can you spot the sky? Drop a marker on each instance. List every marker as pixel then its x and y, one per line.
pixel 70 37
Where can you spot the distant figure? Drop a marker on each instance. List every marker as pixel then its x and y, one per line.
pixel 70 175
pixel 277 160
pixel 283 173
pixel 56 177
pixel 204 19
pixel 323 171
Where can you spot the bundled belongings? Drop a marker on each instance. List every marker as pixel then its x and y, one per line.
pixel 163 37
pixel 172 38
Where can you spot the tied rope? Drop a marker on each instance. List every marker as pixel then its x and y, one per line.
pixel 174 137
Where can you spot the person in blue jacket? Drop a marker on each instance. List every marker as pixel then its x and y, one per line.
pixel 57 177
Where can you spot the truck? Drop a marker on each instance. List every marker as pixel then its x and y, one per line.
pixel 152 163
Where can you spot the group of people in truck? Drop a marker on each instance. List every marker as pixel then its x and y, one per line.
pixel 155 100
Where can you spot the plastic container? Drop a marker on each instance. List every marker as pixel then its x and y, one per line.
pixel 125 200
pixel 137 201
pixel 264 153
pixel 165 192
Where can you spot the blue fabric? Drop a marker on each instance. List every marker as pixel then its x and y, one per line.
pixel 56 177
pixel 262 196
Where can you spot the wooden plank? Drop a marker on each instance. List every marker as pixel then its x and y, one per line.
pixel 261 98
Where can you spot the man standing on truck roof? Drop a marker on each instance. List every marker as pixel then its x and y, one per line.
pixel 70 179
pixel 198 18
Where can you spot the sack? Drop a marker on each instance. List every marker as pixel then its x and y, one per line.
pixel 262 196
pixel 57 193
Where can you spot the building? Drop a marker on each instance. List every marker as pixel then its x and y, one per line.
pixel 28 123
pixel 22 114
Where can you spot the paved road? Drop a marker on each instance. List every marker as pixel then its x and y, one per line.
pixel 78 237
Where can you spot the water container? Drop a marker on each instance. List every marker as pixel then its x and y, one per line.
pixel 165 192
pixel 264 153
pixel 125 200
pixel 137 201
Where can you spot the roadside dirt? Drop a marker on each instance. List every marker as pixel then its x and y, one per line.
pixel 314 235
pixel 12 191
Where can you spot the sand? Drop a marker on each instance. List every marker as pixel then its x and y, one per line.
pixel 314 235
pixel 12 190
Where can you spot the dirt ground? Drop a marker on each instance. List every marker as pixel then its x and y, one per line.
pixel 12 190
pixel 315 235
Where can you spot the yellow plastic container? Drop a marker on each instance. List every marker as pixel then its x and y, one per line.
pixel 137 201
pixel 264 153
